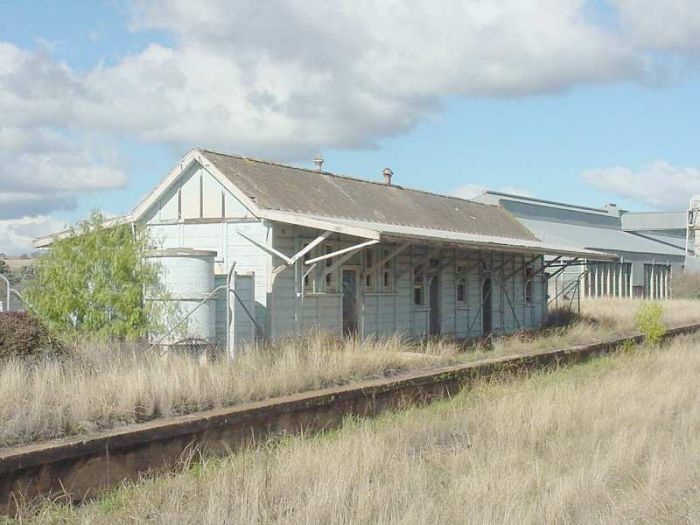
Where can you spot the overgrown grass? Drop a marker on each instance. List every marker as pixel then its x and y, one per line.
pixel 599 319
pixel 101 387
pixel 618 315
pixel 614 441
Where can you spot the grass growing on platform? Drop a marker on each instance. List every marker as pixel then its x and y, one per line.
pixel 616 440
pixel 102 387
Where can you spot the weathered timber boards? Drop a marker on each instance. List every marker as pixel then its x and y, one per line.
pixel 82 466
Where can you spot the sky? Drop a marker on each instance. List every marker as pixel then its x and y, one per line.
pixel 588 102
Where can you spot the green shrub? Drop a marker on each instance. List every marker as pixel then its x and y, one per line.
pixel 94 283
pixel 24 335
pixel 648 319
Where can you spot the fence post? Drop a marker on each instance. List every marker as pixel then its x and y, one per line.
pixel 7 287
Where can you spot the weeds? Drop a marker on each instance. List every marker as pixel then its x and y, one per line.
pixel 648 319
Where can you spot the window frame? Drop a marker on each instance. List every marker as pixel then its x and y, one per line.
pixel 461 281
pixel 329 282
pixel 419 286
pixel 529 285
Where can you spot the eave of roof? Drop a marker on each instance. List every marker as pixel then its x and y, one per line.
pixel 393 232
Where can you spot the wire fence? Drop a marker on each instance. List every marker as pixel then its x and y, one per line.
pixel 11 299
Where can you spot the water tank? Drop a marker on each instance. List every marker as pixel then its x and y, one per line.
pixel 188 278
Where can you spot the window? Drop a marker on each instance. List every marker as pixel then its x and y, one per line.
pixel 387 273
pixel 308 282
pixel 418 285
pixel 329 279
pixel 369 273
pixel 528 275
pixel 461 285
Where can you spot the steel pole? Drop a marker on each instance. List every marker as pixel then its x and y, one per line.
pixel 7 286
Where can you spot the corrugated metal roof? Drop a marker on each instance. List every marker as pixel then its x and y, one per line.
pixel 677 242
pixel 394 232
pixel 278 187
pixel 664 220
pixel 601 239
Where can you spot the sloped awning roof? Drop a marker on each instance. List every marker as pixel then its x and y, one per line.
pixel 398 233
pixel 608 240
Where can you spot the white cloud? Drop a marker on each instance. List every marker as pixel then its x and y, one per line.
pixel 16 235
pixel 284 80
pixel 469 191
pixel 658 185
pixel 300 75
pixel 44 163
pixel 664 25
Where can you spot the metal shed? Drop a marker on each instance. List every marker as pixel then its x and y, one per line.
pixel 645 261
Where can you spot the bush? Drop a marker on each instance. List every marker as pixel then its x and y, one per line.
pixel 648 319
pixel 94 283
pixel 24 335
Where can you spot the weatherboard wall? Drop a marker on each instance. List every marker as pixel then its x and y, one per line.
pixel 383 313
pixel 198 212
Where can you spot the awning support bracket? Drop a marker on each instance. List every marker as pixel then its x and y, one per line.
pixel 341 252
pixel 288 260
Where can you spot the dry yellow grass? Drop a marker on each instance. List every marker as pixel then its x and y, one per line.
pixel 618 314
pixel 600 319
pixel 103 387
pixel 614 441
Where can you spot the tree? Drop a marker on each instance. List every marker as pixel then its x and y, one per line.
pixel 95 282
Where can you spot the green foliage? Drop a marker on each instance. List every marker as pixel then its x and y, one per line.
pixel 648 319
pixel 94 282
pixel 4 267
pixel 24 335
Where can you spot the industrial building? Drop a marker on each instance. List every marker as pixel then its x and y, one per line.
pixel 649 247
pixel 305 249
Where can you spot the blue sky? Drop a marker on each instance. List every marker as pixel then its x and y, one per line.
pixel 585 102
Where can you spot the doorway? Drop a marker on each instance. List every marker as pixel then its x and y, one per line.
pixel 434 303
pixel 486 310
pixel 350 287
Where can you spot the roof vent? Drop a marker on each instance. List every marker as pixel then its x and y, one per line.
pixel 318 160
pixel 387 176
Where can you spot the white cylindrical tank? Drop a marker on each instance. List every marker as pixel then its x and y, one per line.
pixel 188 278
